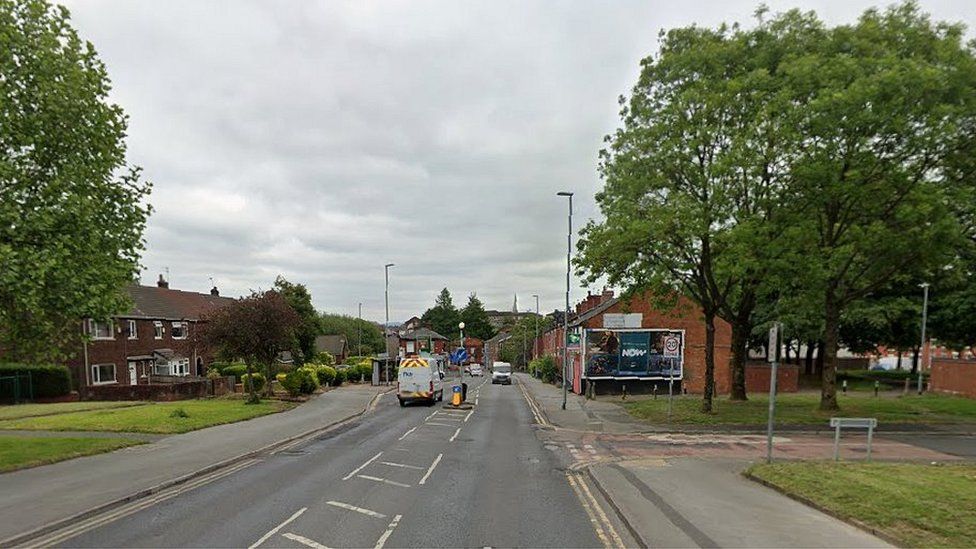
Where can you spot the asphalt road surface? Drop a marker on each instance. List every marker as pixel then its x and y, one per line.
pixel 420 476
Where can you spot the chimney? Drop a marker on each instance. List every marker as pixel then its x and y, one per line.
pixel 162 282
pixel 214 292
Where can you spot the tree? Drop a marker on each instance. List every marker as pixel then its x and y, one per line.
pixel 696 178
pixel 443 317
pixel 257 329
pixel 475 318
pixel 300 300
pixel 352 328
pixel 517 349
pixel 72 211
pixel 888 103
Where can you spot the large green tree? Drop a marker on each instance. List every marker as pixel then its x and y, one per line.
pixel 354 328
pixel 72 211
pixel 475 318
pixel 443 317
pixel 300 299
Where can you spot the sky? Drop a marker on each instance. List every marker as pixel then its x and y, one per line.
pixel 322 140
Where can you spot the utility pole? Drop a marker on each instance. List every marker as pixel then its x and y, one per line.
pixel 921 349
pixel 386 327
pixel 535 342
pixel 359 326
pixel 569 252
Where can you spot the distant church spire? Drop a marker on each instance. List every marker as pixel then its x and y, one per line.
pixel 515 308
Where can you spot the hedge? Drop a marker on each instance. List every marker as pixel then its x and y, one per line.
pixel 259 382
pixel 325 374
pixel 236 370
pixel 47 380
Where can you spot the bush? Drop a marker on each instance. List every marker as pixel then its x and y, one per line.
pixel 47 380
pixel 179 412
pixel 236 370
pixel 300 381
pixel 213 373
pixel 544 368
pixel 359 360
pixel 323 358
pixel 325 374
pixel 258 379
pixel 340 377
pixel 359 372
pixel 292 383
pixel 281 377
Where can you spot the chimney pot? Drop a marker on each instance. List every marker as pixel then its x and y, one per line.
pixel 214 292
pixel 162 282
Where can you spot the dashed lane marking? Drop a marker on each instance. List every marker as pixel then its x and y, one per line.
pixel 361 467
pixel 431 469
pixel 304 541
pixel 383 480
pixel 389 530
pixel 274 530
pixel 412 429
pixel 362 510
pixel 456 433
pixel 467 417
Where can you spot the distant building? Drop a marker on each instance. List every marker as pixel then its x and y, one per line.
pixel 421 340
pixel 335 345
pixel 153 338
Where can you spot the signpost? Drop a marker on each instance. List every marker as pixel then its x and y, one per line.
pixel 772 354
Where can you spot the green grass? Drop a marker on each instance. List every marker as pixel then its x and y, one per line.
pixel 23 452
pixel 152 418
pixel 801 409
pixel 31 410
pixel 919 505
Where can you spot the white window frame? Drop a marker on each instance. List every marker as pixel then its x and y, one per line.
pixel 158 330
pixel 133 329
pixel 180 326
pixel 96 379
pixel 93 327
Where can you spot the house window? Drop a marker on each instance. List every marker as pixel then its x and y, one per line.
pixel 158 328
pixel 133 333
pixel 103 373
pixel 102 330
pixel 179 330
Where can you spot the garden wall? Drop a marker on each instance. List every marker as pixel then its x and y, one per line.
pixel 758 374
pixel 954 377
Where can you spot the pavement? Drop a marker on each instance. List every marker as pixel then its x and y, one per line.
pixel 36 497
pixel 420 476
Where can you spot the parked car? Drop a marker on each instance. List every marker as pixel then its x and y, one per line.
pixel 501 373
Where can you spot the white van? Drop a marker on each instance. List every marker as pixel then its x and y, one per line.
pixel 501 372
pixel 419 379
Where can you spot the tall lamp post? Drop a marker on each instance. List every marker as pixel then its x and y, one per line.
pixel 359 329
pixel 535 342
pixel 569 251
pixel 386 327
pixel 461 361
pixel 921 349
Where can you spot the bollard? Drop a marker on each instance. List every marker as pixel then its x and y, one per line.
pixel 654 391
pixel 907 382
pixel 623 394
pixel 845 386
pixel 876 384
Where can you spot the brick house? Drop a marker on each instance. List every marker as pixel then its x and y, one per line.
pixel 421 339
pixel 474 346
pixel 632 342
pixel 153 338
pixel 335 345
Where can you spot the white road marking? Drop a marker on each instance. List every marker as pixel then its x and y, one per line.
pixel 304 541
pixel 383 480
pixel 412 429
pixel 431 469
pixel 456 433
pixel 475 401
pixel 432 414
pixel 404 465
pixel 361 467
pixel 439 424
pixel 467 417
pixel 356 509
pixel 389 530
pixel 274 530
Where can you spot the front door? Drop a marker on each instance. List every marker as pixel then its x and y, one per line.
pixel 133 379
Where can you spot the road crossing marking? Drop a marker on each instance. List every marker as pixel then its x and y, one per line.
pixel 304 541
pixel 412 429
pixel 456 433
pixel 431 469
pixel 439 424
pixel 383 480
pixel 361 467
pixel 467 417
pixel 405 466
pixel 389 530
pixel 432 414
pixel 274 530
pixel 356 509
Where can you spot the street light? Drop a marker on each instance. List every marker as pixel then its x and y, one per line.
pixel 460 360
pixel 569 251
pixel 921 349
pixel 359 329
pixel 535 342
pixel 386 327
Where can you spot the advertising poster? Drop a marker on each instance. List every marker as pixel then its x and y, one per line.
pixel 634 353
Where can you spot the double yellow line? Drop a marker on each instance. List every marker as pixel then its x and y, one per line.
pixel 601 523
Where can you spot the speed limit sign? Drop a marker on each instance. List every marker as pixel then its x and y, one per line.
pixel 672 345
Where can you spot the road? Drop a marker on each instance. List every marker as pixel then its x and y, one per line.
pixel 401 477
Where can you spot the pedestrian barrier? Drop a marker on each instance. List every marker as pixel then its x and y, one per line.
pixel 839 423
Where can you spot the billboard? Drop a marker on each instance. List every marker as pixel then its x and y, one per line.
pixel 634 353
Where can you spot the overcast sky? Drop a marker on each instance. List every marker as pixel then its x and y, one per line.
pixel 321 140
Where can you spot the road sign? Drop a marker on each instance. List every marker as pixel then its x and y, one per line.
pixel 672 346
pixel 772 351
pixel 573 340
pixel 459 356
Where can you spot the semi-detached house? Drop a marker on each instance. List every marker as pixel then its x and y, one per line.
pixel 152 339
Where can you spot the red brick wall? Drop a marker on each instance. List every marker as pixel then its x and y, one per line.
pixel 956 377
pixel 757 378
pixel 115 351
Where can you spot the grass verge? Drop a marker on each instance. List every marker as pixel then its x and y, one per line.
pixel 22 452
pixel 918 505
pixel 32 410
pixel 159 418
pixel 801 409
